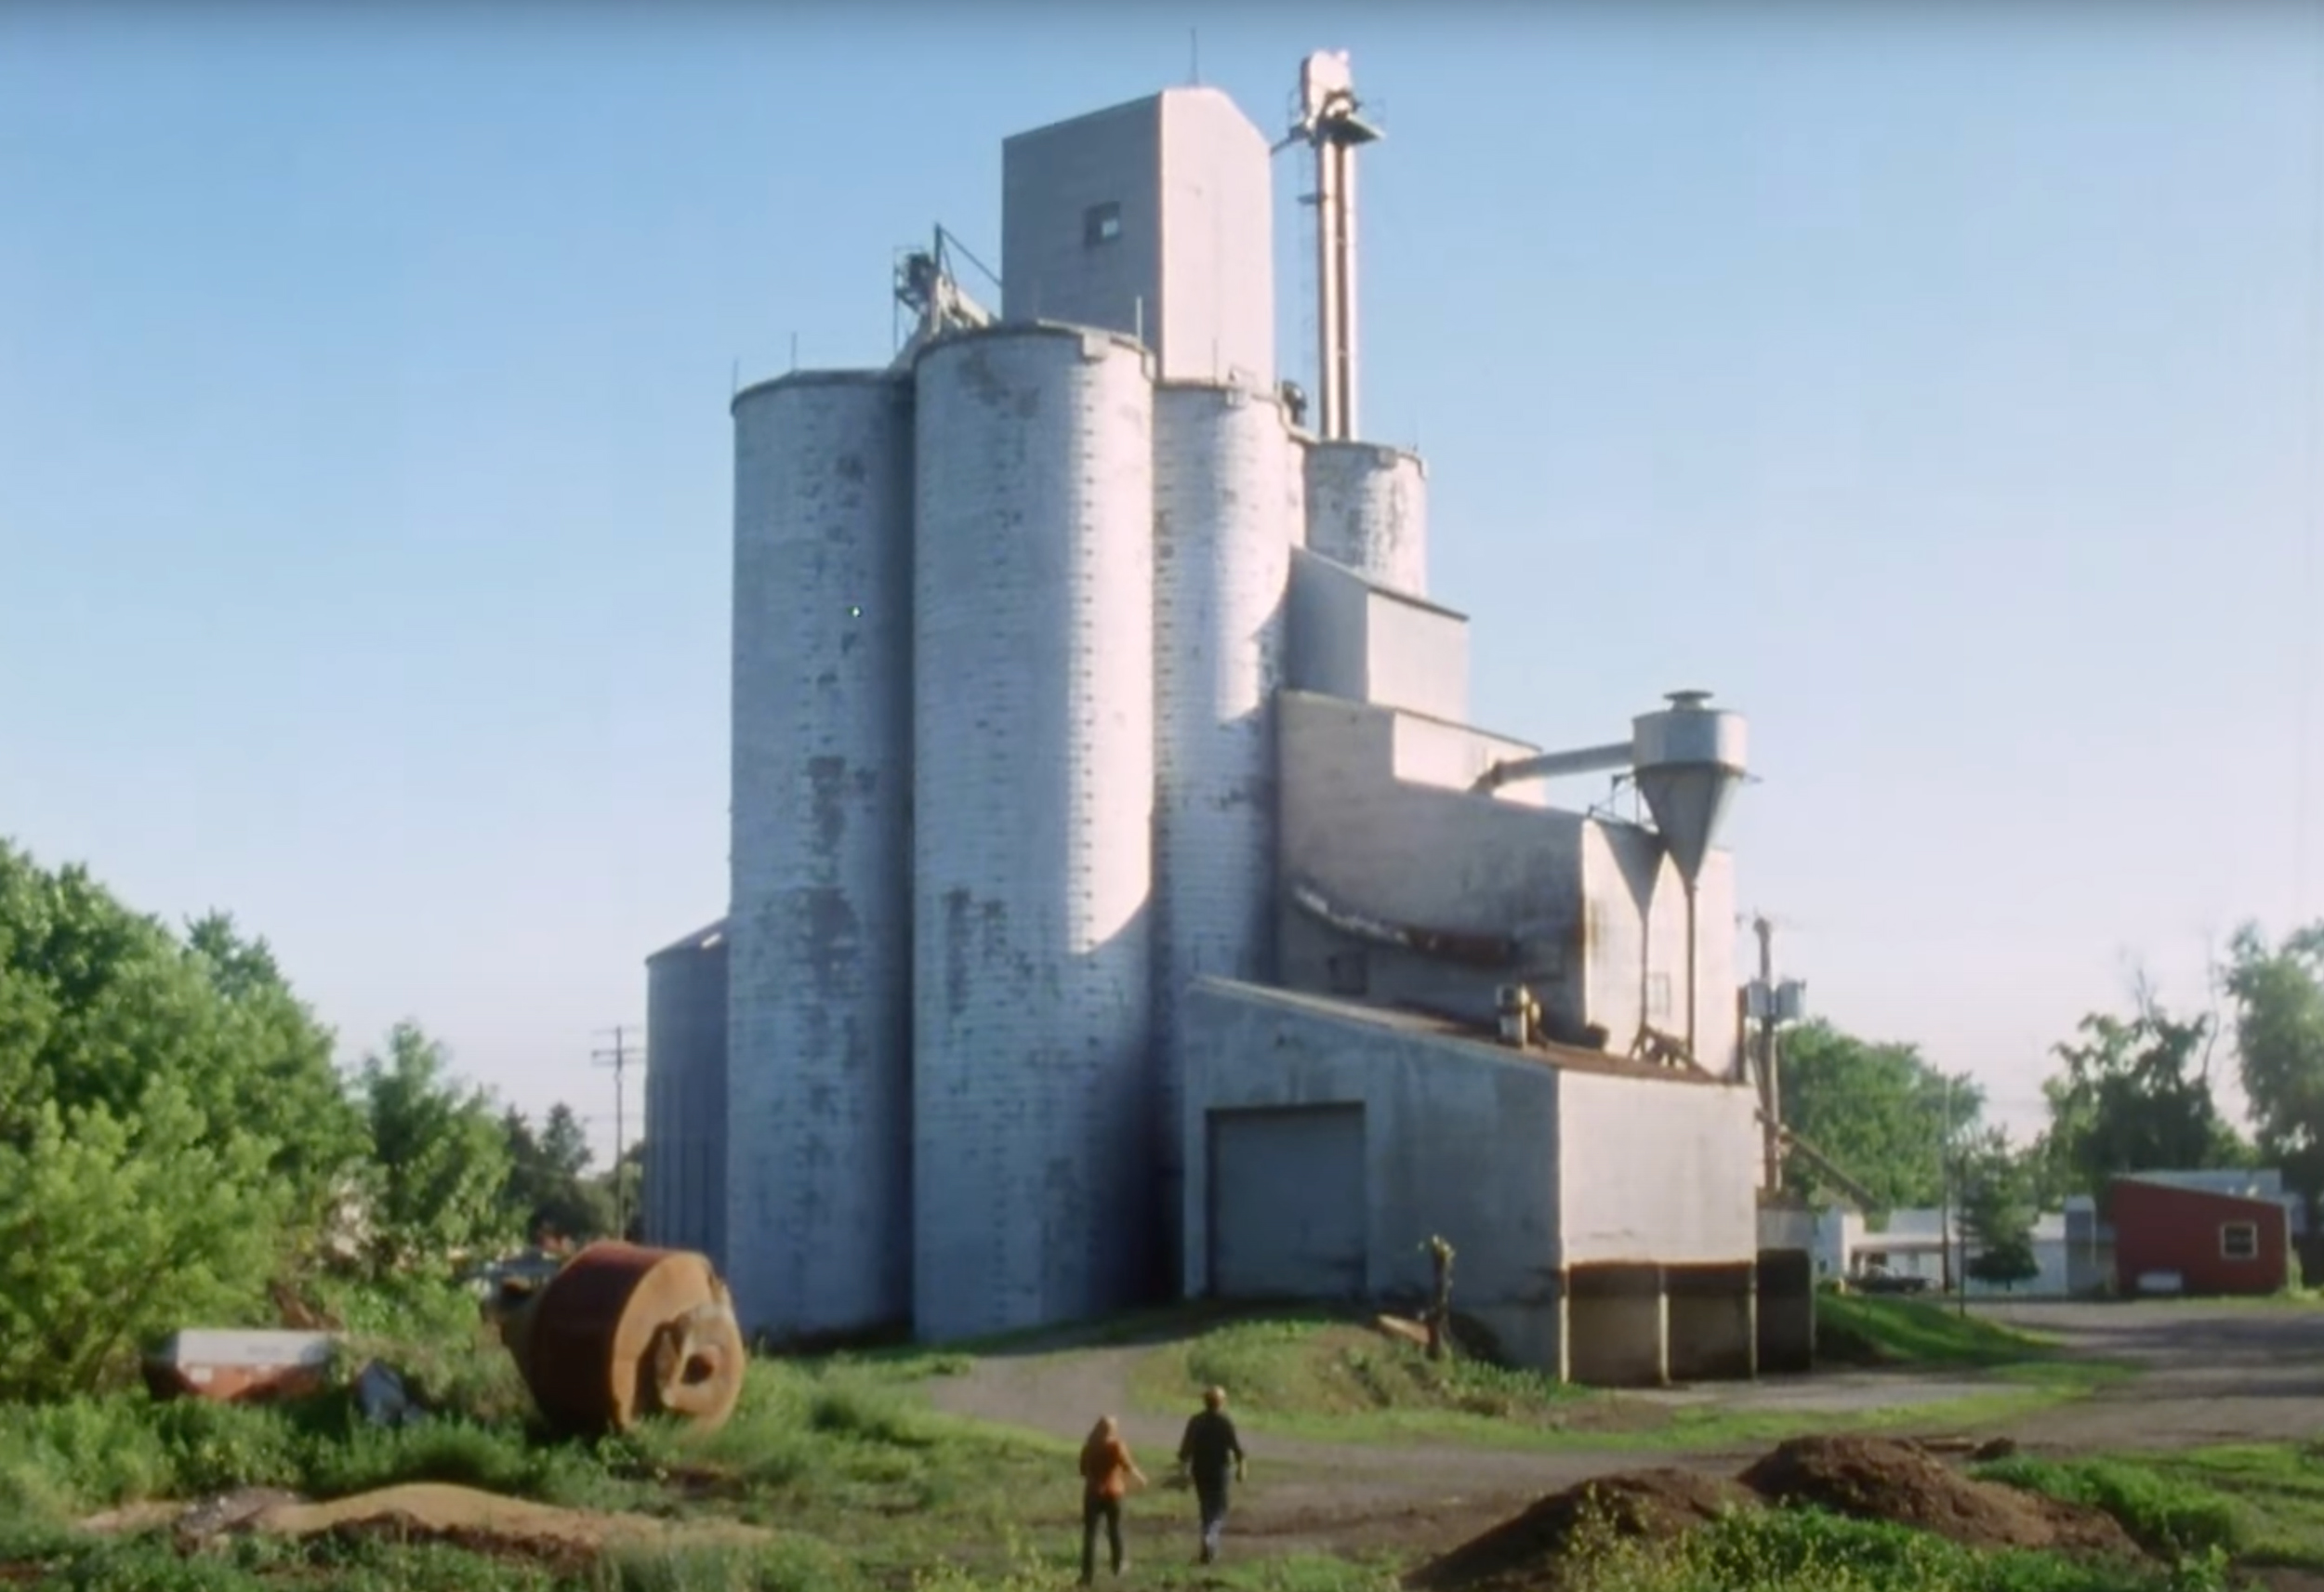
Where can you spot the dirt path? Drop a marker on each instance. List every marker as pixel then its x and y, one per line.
pixel 2209 1373
pixel 2212 1373
pixel 1301 1494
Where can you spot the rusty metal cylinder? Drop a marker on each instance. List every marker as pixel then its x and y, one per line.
pixel 623 1333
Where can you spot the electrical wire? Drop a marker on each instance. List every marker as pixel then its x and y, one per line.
pixel 2305 617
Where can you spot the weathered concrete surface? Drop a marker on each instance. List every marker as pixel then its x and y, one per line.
pixel 1458 1140
pixel 1617 1326
pixel 1597 910
pixel 1713 1322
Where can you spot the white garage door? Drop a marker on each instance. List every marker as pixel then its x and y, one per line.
pixel 1287 1204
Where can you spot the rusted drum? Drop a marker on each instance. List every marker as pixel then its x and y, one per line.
pixel 622 1333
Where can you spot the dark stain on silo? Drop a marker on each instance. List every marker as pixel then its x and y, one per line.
pixel 956 904
pixel 827 801
pixel 851 468
pixel 828 934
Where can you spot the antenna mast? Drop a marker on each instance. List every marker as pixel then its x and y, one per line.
pixel 1329 123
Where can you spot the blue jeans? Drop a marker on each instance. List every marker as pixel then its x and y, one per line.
pixel 1210 1498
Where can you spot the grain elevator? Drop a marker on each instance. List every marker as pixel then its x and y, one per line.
pixel 1089 704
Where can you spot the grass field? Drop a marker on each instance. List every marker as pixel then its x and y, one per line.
pixel 862 1487
pixel 1327 1379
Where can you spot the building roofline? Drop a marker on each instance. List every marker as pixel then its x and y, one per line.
pixel 1473 1043
pixel 700 939
pixel 1378 588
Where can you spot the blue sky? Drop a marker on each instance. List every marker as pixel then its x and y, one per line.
pixel 1936 388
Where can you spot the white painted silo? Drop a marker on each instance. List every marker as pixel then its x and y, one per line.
pixel 1367 508
pixel 685 1095
pixel 819 1048
pixel 1033 830
pixel 1226 498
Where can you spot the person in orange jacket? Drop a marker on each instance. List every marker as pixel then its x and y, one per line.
pixel 1107 1470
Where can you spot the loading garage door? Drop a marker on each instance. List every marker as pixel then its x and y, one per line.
pixel 1287 1204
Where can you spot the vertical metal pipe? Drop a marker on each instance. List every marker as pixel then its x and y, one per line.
pixel 1690 972
pixel 1346 157
pixel 1329 420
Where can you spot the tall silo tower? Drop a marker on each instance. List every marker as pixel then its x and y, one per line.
pixel 1226 515
pixel 1033 1172
pixel 818 1173
pixel 1155 218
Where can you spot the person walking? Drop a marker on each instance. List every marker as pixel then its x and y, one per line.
pixel 1209 1452
pixel 1107 1470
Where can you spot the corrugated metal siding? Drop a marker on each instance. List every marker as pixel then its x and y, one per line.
pixel 685 1098
pixel 1222 547
pixel 818 1175
pixel 1033 837
pixel 1367 508
pixel 2162 1229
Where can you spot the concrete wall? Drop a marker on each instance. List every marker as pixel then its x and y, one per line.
pixel 1352 638
pixel 1218 244
pixel 1377 813
pixel 1187 180
pixel 1460 1140
pixel 1053 266
pixel 1658 1169
pixel 1637 935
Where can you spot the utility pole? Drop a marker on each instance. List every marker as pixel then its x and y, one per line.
pixel 1770 1092
pixel 1945 1211
pixel 618 1058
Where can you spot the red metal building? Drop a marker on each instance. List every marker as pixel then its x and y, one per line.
pixel 2214 1242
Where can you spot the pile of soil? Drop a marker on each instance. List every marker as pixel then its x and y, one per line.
pixel 484 1522
pixel 1655 1505
pixel 1872 1478
pixel 1875 1480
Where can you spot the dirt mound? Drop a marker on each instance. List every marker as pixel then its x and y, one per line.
pixel 1872 1478
pixel 486 1524
pixel 1531 1548
pixel 1876 1480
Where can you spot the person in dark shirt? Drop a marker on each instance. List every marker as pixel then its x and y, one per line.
pixel 1210 1453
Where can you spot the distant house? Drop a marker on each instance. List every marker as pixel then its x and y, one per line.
pixel 2216 1234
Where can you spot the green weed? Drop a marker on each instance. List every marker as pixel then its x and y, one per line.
pixel 2167 1515
pixel 1871 1329
pixel 1805 1550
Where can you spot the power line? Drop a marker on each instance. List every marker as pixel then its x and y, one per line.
pixel 619 1058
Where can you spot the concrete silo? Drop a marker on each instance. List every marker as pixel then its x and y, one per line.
pixel 819 1093
pixel 1032 828
pixel 685 1094
pixel 1367 508
pixel 1226 499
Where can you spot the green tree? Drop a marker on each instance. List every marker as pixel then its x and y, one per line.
pixel 2133 1095
pixel 2279 996
pixel 1880 1111
pixel 439 1158
pixel 171 1130
pixel 550 1191
pixel 1997 1211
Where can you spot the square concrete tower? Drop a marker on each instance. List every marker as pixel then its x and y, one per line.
pixel 1155 218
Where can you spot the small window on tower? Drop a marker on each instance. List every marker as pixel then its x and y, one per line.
pixel 1658 994
pixel 1100 224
